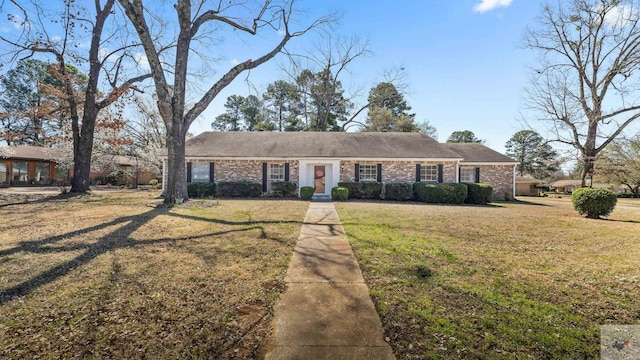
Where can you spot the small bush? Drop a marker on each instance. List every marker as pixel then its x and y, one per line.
pixel 283 189
pixel 398 191
pixel 355 189
pixel 201 190
pixel 153 183
pixel 339 193
pixel 117 176
pixel 440 193
pixel 626 195
pixel 371 190
pixel 594 202
pixel 239 189
pixel 479 194
pixel 306 192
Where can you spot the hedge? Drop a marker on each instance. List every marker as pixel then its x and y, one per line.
pixel 306 192
pixel 363 190
pixel 239 189
pixel 339 193
pixel 440 193
pixel 594 202
pixel 201 190
pixel 284 189
pixel 355 189
pixel 479 194
pixel 398 191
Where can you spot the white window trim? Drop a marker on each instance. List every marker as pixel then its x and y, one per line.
pixel 273 176
pixel 463 173
pixel 374 172
pixel 423 172
pixel 205 178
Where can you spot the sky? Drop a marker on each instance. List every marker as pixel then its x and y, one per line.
pixel 464 66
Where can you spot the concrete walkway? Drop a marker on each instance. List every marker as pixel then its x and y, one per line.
pixel 326 311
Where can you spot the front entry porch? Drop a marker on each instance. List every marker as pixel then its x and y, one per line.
pixel 321 174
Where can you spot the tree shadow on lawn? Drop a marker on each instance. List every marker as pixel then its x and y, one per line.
pixel 117 239
pixel 523 202
pixel 41 198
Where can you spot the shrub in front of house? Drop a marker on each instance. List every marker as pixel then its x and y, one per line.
pixel 306 192
pixel 153 183
pixel 440 193
pixel 479 194
pixel 371 190
pixel 594 202
pixel 284 189
pixel 201 190
pixel 398 191
pixel 239 189
pixel 339 193
pixel 355 189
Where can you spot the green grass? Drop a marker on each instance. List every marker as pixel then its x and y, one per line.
pixel 508 281
pixel 111 276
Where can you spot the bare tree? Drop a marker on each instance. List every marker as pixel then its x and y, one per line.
pixel 585 87
pixel 46 32
pixel 319 78
pixel 191 20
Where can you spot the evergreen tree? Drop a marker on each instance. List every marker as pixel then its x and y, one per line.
pixel 464 136
pixel 388 110
pixel 534 156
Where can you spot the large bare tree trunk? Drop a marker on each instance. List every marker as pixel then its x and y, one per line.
pixel 171 99
pixel 176 186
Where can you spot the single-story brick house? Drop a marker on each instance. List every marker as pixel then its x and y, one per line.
pixel 527 186
pixel 323 159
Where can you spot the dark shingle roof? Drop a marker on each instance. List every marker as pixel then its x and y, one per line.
pixel 377 145
pixel 477 153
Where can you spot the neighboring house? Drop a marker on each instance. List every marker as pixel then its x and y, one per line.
pixel 323 159
pixel 28 165
pixel 527 186
pixel 36 166
pixel 567 186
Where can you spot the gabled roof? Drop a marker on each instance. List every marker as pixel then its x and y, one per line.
pixel 375 145
pixel 478 153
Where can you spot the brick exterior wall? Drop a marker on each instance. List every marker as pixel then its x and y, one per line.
pixel 251 170
pixel 500 177
pixel 397 171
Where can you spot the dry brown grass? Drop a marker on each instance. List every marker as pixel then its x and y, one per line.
pixel 514 280
pixel 111 276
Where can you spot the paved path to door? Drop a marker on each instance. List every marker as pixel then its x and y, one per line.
pixel 326 311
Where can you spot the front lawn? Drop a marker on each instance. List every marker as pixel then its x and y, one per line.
pixel 111 276
pixel 515 280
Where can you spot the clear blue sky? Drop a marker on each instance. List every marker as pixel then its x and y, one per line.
pixel 465 69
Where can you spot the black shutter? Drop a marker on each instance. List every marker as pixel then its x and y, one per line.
pixel 188 172
pixel 211 170
pixel 264 177
pixel 379 179
pixel 357 175
pixel 440 172
pixel 286 171
pixel 477 175
pixel 417 172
